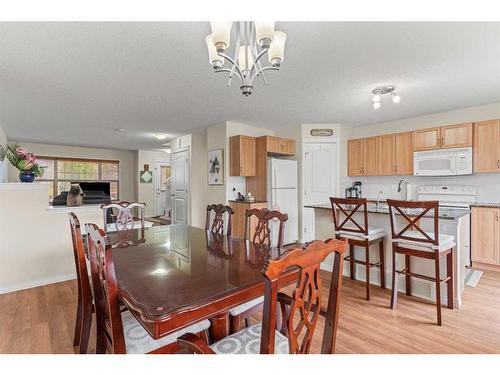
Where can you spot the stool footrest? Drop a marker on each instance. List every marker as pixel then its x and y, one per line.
pixel 404 271
pixel 349 259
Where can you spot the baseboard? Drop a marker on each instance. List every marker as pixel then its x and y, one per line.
pixel 36 283
pixel 485 266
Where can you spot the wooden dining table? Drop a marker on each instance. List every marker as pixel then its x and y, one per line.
pixel 172 276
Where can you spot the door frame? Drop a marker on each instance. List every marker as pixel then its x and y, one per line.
pixel 303 236
pixel 156 181
pixel 188 194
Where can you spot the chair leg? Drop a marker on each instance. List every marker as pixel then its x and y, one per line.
pixel 78 324
pixel 382 263
pixel 234 324
pixel 352 266
pixel 367 264
pixel 408 277
pixel 85 332
pixel 394 292
pixel 100 347
pixel 449 283
pixel 438 290
pixel 247 322
pixel 204 336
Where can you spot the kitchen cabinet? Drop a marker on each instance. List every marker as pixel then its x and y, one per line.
pixel 486 235
pixel 240 208
pixel 242 156
pixel 280 146
pixel 451 136
pixel 355 151
pixel 487 146
pixel 386 154
pixel 370 156
pixel 404 153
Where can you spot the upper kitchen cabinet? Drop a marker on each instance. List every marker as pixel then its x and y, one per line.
pixel 387 154
pixel 242 156
pixel 487 146
pixel 363 156
pixel 280 146
pixel 404 153
pixel 426 139
pixel 451 136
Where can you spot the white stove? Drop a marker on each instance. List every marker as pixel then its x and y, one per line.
pixel 449 196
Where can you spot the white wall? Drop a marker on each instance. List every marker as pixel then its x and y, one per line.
pixel 126 159
pixel 145 192
pixel 488 184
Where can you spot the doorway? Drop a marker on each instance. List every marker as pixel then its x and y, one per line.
pixel 180 186
pixel 162 188
pixel 320 172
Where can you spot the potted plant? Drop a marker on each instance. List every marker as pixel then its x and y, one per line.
pixel 25 162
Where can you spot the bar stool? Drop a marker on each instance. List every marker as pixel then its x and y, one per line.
pixel 358 235
pixel 412 241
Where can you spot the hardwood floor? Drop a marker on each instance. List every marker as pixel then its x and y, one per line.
pixel 41 320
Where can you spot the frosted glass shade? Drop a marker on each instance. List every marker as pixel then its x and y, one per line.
pixel 245 62
pixel 221 34
pixel 277 49
pixel 264 30
pixel 213 56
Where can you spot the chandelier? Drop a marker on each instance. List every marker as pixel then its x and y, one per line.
pixel 381 91
pixel 253 41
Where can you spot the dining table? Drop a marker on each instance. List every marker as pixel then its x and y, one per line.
pixel 172 276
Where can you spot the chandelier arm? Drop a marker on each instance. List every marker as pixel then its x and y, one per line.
pixel 230 71
pixel 257 65
pixel 262 70
pixel 238 70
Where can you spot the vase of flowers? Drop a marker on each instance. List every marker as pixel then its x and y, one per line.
pixel 25 162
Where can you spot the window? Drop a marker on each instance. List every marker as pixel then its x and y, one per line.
pixel 60 172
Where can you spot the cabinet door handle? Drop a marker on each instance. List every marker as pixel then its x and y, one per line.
pixel 498 164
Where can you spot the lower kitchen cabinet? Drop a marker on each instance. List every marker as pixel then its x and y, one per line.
pixel 486 235
pixel 240 208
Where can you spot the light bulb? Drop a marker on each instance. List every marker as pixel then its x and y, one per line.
pixel 396 98
pixel 245 58
pixel 276 52
pixel 376 105
pixel 213 57
pixel 376 98
pixel 264 33
pixel 221 35
pixel 161 136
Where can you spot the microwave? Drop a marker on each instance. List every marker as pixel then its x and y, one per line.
pixel 444 162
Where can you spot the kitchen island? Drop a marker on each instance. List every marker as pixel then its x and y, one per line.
pixel 455 222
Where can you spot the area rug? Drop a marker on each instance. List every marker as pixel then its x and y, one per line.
pixel 472 277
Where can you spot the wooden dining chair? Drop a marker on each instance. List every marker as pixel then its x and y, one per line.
pixel 300 314
pixel 413 241
pixel 261 238
pixel 358 233
pixel 120 332
pixel 85 305
pixel 122 214
pixel 216 225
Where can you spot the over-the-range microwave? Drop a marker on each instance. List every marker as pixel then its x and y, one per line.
pixel 444 162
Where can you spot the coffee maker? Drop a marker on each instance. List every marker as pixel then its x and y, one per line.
pixel 354 191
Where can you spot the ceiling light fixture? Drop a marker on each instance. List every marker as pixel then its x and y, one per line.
pixel 161 136
pixel 253 41
pixel 120 130
pixel 381 91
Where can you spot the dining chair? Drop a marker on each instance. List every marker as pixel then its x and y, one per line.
pixel 120 332
pixel 124 218
pixel 261 238
pixel 358 233
pixel 413 241
pixel 216 225
pixel 85 305
pixel 300 313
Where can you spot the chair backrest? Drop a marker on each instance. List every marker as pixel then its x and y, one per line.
pixel 124 217
pixel 305 301
pixel 412 212
pixel 108 317
pixel 262 234
pixel 343 214
pixel 217 227
pixel 82 276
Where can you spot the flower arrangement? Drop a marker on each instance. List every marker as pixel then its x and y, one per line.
pixel 24 161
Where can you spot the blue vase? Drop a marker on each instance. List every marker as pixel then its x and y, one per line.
pixel 27 176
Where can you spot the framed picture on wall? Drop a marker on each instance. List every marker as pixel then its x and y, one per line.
pixel 216 167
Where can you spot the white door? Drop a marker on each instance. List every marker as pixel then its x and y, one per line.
pixel 162 185
pixel 319 171
pixel 180 187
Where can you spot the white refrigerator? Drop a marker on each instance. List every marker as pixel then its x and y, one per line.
pixel 282 195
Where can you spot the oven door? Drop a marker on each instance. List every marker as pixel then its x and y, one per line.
pixel 434 165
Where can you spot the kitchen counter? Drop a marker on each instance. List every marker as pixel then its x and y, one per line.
pixel 249 202
pixel 485 204
pixel 445 214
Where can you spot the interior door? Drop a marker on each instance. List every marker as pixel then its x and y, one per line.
pixel 162 185
pixel 320 171
pixel 180 187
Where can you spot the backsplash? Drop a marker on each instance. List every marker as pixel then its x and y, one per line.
pixel 487 184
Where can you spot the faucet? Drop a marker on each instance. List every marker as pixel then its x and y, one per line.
pixel 378 198
pixel 405 181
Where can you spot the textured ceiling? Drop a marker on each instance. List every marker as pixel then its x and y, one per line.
pixel 74 83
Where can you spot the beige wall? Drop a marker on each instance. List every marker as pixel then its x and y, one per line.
pixel 216 139
pixel 3 137
pixel 126 159
pixel 145 192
